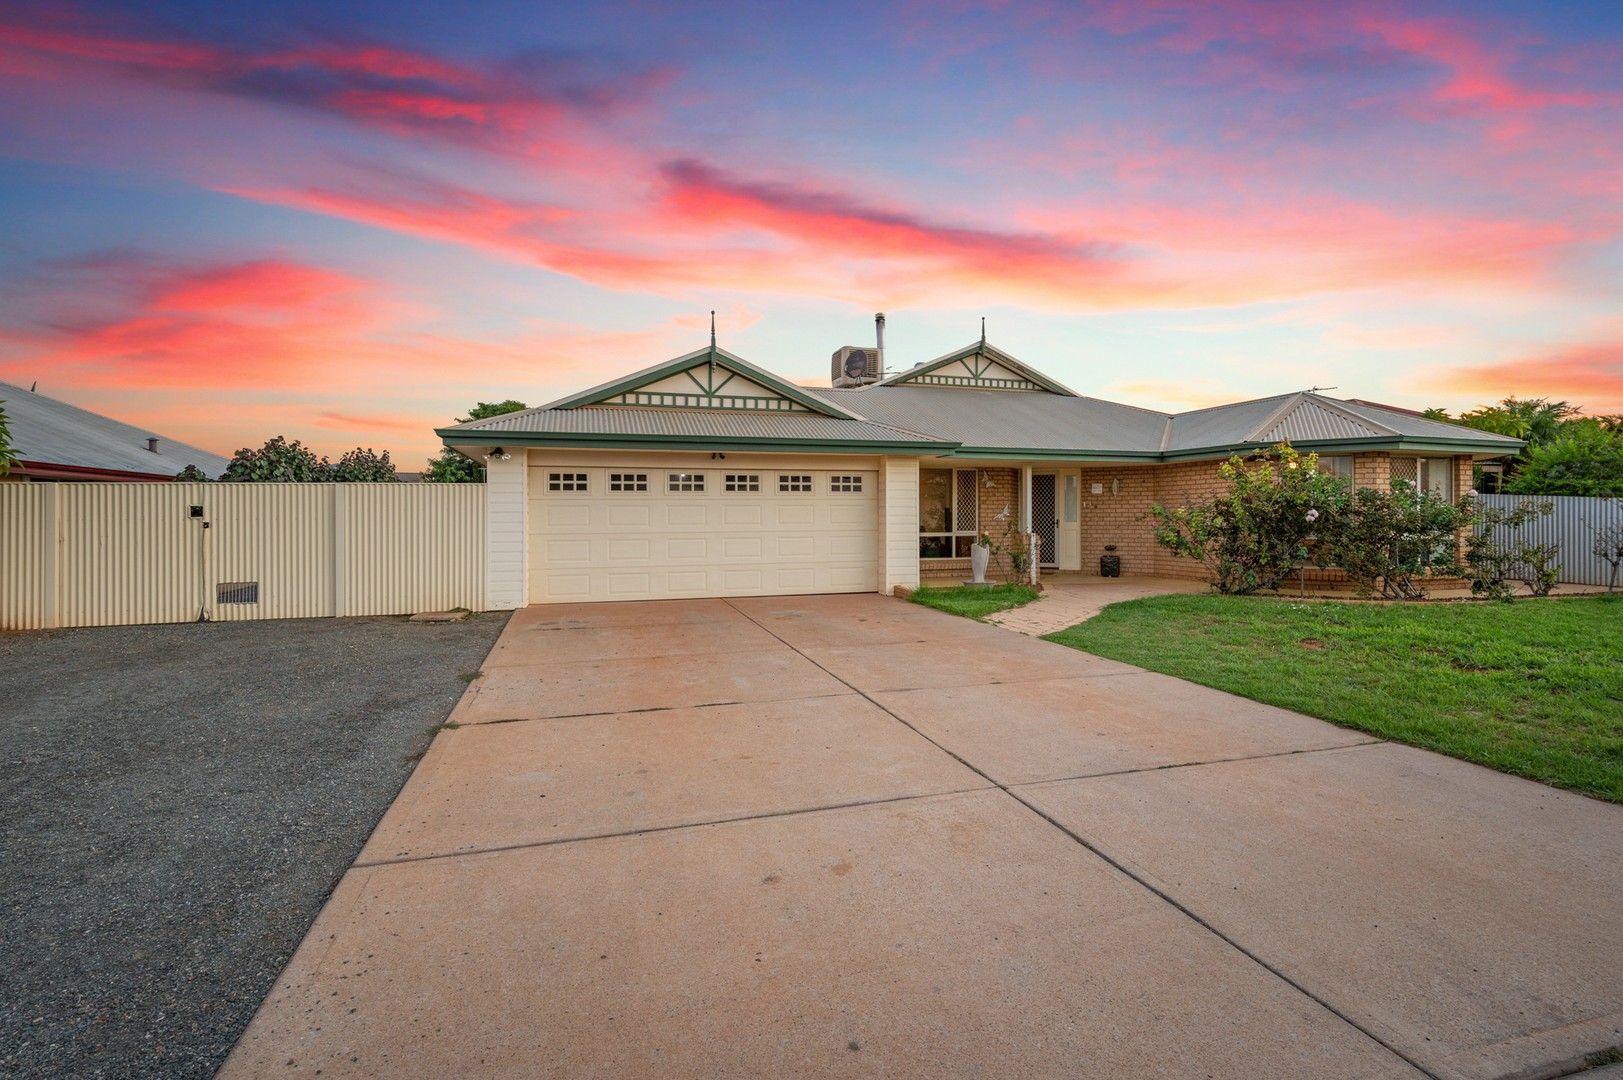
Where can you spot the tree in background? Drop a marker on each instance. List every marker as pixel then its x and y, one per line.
pixel 365 466
pixel 1584 459
pixel 7 454
pixel 454 468
pixel 191 474
pixel 1566 453
pixel 278 461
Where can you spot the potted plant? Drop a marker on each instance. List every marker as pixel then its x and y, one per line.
pixel 980 557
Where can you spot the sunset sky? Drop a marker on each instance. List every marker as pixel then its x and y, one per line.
pixel 347 222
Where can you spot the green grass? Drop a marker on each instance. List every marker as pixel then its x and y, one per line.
pixel 1533 688
pixel 974 603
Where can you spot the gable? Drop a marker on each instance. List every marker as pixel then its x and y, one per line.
pixel 706 386
pixel 712 379
pixel 978 367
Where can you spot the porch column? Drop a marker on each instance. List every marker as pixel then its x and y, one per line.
pixel 1025 522
pixel 507 532
pixel 899 523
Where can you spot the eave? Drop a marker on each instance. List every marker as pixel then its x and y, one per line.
pixel 698 443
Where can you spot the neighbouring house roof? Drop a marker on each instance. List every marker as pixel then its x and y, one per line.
pixel 55 439
pixel 974 402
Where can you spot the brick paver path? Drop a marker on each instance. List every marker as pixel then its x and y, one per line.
pixel 1067 603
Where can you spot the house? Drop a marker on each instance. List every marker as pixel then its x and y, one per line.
pixel 709 476
pixel 57 441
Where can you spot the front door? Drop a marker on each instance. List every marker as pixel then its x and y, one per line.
pixel 1045 517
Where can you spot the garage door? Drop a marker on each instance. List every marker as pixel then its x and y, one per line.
pixel 638 533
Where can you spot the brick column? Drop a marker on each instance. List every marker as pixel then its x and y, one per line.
pixel 1373 471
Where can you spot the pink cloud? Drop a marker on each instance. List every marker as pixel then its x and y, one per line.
pixel 1589 374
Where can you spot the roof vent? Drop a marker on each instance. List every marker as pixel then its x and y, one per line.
pixel 152 443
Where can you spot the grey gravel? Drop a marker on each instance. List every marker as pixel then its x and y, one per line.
pixel 178 803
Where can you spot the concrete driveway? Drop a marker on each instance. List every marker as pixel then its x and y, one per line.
pixel 848 836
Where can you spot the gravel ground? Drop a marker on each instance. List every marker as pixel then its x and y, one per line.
pixel 178 803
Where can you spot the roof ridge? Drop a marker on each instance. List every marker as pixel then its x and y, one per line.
pixel 1277 417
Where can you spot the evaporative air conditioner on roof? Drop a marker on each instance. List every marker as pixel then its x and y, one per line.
pixel 854 365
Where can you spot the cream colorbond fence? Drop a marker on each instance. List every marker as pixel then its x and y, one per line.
pixel 110 554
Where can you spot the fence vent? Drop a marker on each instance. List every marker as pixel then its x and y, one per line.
pixel 237 592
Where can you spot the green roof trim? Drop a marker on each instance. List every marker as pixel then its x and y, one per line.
pixel 709 355
pixel 990 352
pixel 578 440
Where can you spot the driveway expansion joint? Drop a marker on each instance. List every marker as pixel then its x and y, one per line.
pixel 1198 764
pixel 651 830
pixel 1119 866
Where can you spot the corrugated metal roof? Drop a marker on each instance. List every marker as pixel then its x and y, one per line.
pixel 1406 423
pixel 53 432
pixel 1307 420
pixel 687 423
pixel 1007 419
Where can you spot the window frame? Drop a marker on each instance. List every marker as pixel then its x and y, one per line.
pixel 845 483
pixel 685 483
pixel 568 483
pixel 741 483
pixel 797 483
pixel 953 535
pixel 628 483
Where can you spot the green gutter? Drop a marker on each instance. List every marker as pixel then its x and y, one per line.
pixel 594 441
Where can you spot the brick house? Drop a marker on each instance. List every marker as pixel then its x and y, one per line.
pixel 709 476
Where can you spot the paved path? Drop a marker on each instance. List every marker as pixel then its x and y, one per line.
pixel 1066 602
pixel 848 836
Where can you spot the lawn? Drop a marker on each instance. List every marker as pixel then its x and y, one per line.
pixel 1533 688
pixel 973 602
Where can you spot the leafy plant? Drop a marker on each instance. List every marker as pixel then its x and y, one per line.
pixel 1585 459
pixel 365 466
pixel 191 474
pixel 1387 542
pixel 454 468
pixel 1498 557
pixel 278 461
pixel 8 456
pixel 1264 527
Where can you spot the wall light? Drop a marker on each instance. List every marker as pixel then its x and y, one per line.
pixel 1115 485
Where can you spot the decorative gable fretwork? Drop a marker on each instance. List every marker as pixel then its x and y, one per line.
pixel 975 370
pixel 707 386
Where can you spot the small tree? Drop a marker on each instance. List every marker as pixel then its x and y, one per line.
pixel 278 461
pixel 454 468
pixel 191 474
pixel 1263 528
pixel 1584 459
pixel 365 466
pixel 8 456
pixel 1388 541
pixel 1606 542
pixel 1497 555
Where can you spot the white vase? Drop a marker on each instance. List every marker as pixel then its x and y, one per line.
pixel 979 556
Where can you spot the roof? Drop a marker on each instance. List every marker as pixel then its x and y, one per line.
pixel 46 431
pixel 693 401
pixel 999 419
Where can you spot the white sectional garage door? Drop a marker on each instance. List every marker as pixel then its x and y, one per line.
pixel 636 532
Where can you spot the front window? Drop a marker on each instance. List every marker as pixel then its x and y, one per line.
pixel 1338 465
pixel 947 515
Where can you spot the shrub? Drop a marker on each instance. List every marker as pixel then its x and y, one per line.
pixel 1606 542
pixel 1497 556
pixel 191 474
pixel 1263 528
pixel 1387 541
pixel 365 466
pixel 277 461
pixel 1584 459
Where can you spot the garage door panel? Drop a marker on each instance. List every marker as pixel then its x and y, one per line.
pixel 630 549
pixel 692 513
pixel 629 515
pixel 567 515
pixel 687 547
pixel 612 541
